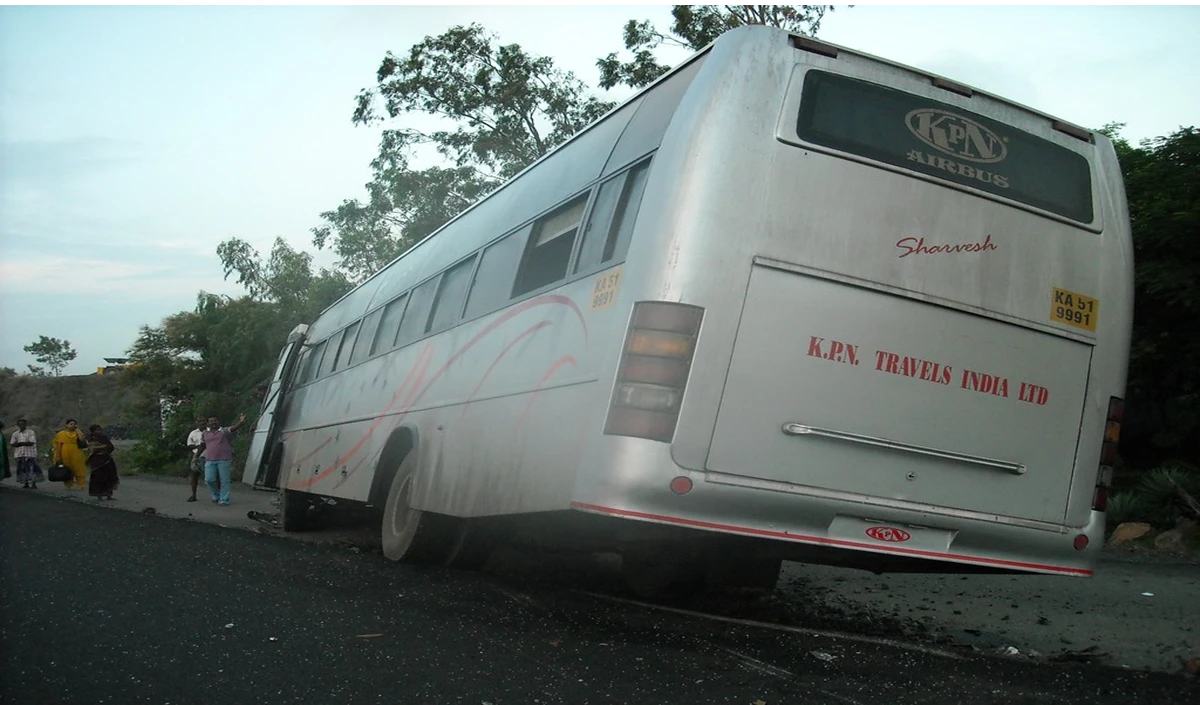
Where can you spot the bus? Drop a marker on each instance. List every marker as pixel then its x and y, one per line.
pixel 791 302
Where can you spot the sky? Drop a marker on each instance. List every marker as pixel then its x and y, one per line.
pixel 133 140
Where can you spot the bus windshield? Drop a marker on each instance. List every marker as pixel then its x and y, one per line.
pixel 943 141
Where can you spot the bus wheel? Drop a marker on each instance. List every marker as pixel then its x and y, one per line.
pixel 653 576
pixel 748 574
pixel 294 510
pixel 408 534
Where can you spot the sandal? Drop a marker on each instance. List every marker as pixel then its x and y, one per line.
pixel 191 499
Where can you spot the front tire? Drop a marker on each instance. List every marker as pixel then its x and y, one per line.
pixel 295 509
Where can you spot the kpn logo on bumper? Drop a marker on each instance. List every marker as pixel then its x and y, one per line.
pixel 963 139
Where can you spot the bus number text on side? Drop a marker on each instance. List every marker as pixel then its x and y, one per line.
pixel 604 291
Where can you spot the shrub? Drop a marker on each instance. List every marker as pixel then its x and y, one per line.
pixel 1155 499
pixel 1125 506
pixel 155 455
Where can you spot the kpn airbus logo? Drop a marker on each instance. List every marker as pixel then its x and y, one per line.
pixel 956 135
pixel 960 137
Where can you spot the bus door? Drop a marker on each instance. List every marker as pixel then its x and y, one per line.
pixel 258 467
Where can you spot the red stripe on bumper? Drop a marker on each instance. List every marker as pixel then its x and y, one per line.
pixel 823 541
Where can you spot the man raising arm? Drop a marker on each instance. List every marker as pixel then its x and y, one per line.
pixel 218 458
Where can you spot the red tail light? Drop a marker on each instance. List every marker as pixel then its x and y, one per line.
pixel 654 369
pixel 1108 452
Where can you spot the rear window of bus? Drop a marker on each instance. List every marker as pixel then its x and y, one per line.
pixel 943 141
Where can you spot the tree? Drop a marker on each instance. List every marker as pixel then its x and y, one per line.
pixel 51 352
pixel 497 109
pixel 285 278
pixel 695 27
pixel 1162 182
pixel 214 358
pixel 404 207
pixel 6 372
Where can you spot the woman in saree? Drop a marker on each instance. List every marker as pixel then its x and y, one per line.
pixel 100 462
pixel 68 450
pixel 5 473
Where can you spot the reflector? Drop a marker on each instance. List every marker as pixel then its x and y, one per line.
pixel 660 343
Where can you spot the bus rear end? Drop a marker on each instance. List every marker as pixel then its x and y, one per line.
pixel 916 305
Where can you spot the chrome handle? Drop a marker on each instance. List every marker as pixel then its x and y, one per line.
pixel 795 429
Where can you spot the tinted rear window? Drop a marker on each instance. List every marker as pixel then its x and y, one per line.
pixel 944 141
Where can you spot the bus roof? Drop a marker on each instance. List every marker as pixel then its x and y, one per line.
pixel 578 135
pixel 799 42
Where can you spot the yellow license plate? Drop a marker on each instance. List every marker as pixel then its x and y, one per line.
pixel 604 290
pixel 1074 309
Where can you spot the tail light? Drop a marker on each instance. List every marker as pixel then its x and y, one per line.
pixel 1108 452
pixel 653 372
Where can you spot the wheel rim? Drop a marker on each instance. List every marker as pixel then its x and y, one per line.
pixel 400 521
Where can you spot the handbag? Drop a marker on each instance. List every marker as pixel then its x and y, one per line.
pixel 59 473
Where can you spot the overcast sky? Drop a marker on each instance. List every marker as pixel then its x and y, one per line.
pixel 133 140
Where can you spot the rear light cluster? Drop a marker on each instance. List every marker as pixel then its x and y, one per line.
pixel 1108 452
pixel 654 370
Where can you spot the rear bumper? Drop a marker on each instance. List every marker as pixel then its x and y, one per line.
pixel 821 530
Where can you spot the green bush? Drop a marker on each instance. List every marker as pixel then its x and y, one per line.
pixel 155 455
pixel 1125 506
pixel 1154 499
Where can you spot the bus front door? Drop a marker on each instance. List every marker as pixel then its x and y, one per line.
pixel 257 472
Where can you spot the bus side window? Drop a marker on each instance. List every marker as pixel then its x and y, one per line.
pixel 314 367
pixel 416 316
pixel 389 325
pixel 331 350
pixel 550 246
pixel 493 281
pixel 304 366
pixel 448 303
pixel 627 210
pixel 366 335
pixel 346 346
pixel 599 224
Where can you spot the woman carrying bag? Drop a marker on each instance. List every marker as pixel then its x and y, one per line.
pixel 69 445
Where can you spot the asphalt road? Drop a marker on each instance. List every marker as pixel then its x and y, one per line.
pixel 118 607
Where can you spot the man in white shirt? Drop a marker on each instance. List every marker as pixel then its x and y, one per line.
pixel 195 443
pixel 24 444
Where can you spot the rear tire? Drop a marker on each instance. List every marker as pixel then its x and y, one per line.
pixel 744 574
pixel 410 535
pixel 658 576
pixel 471 547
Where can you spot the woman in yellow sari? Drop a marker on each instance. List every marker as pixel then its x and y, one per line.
pixel 67 451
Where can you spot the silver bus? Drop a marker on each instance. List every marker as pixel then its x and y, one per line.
pixel 790 302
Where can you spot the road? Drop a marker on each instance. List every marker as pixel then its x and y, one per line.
pixel 120 607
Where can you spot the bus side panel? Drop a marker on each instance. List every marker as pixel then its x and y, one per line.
pixel 503 405
pixel 503 436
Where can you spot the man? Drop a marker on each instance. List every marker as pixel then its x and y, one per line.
pixel 24 443
pixel 195 443
pixel 218 458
